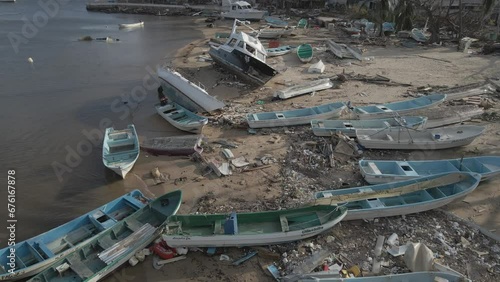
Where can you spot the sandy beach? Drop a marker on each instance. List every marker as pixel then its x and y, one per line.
pixel 285 178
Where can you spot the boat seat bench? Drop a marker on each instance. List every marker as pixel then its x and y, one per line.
pixel 374 168
pixel 45 249
pixel 79 268
pixel 218 226
pixel 133 224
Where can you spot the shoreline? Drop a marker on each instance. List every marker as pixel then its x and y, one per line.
pixel 288 176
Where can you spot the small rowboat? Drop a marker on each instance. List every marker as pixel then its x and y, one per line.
pixel 279 51
pixel 251 229
pixel 131 25
pixel 120 150
pixel 182 118
pixel 302 23
pixel 398 138
pixel 378 171
pixel 276 22
pixel 305 53
pixel 349 127
pixel 301 89
pixel 401 198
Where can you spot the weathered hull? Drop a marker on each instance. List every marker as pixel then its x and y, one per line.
pixel 173 146
pixel 294 91
pixel 239 67
pixel 187 94
pixel 378 172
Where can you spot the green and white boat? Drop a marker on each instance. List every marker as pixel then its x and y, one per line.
pixel 305 53
pixel 251 229
pixel 115 246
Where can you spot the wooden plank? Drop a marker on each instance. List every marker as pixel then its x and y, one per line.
pixel 392 192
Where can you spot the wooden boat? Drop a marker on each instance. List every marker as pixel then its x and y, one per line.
pixel 302 23
pixel 173 146
pixel 427 139
pixel 120 149
pixel 189 95
pixel 349 127
pixel 251 229
pixel 378 171
pixel 305 53
pixel 402 277
pixel 400 198
pixel 279 51
pixel 301 89
pixel 131 25
pixel 272 33
pixel 181 117
pixel 115 246
pixel 275 22
pixel 403 107
pixel 36 254
pixel 419 35
pixel 295 117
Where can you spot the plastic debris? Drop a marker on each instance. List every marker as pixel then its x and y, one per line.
pixel 224 257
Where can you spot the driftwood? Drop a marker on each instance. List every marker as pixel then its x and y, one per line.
pixel 391 192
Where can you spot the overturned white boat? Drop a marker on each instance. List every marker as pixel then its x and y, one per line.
pixel 316 85
pixel 245 56
pixel 131 25
pixel 185 93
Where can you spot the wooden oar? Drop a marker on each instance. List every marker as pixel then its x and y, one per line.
pixel 448 179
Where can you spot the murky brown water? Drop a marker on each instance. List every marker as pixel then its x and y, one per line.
pixel 52 111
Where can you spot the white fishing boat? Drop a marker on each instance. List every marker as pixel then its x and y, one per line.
pixel 120 149
pixel 394 138
pixel 244 56
pixel 189 95
pixel 382 171
pixel 181 117
pixel 241 10
pixel 131 25
pixel 272 33
pixel 301 89
pixel 295 117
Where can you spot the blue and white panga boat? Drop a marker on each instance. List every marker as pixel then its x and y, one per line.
pixel 400 198
pixel 403 107
pixel 40 252
pixel 379 171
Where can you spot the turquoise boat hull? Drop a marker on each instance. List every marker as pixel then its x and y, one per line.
pixel 380 171
pixel 38 253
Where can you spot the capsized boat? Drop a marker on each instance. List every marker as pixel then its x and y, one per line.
pixel 174 146
pixel 251 229
pixel 181 117
pixel 131 25
pixel 241 10
pixel 279 51
pixel 302 23
pixel 275 22
pixel 380 171
pixel 403 107
pixel 189 95
pixel 397 138
pixel 38 253
pixel 115 246
pixel 120 149
pixel 402 277
pixel 305 53
pixel 295 117
pixel 349 127
pixel 403 197
pixel 245 56
pixel 301 89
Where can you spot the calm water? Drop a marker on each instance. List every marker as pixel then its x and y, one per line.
pixel 71 87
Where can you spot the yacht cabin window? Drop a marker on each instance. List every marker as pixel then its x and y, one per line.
pixel 241 44
pixel 232 42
